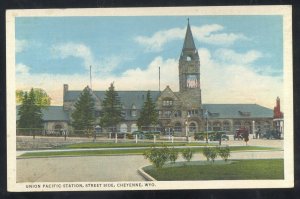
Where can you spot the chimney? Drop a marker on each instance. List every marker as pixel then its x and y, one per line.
pixel 66 89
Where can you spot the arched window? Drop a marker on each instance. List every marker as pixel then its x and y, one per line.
pixel 123 128
pixel 226 126
pixel 177 127
pixel 192 127
pixel 216 126
pixel 134 127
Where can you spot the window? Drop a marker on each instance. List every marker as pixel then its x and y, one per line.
pixel 168 102
pixel 193 112
pixel 216 126
pixel 237 125
pixel 177 127
pixel 134 127
pixel 167 113
pixel 159 113
pixel 177 114
pixel 226 126
pixel 188 58
pixel 192 127
pixel 192 81
pixel 123 128
pixel 133 111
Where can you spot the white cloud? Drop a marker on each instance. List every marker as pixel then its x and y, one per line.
pixel 230 56
pixel 221 82
pixel 236 82
pixel 80 50
pixel 22 68
pixel 210 34
pixel 158 39
pixel 20 45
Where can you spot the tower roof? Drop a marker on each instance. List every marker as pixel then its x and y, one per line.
pixel 189 41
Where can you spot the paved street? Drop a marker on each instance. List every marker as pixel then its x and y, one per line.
pixel 80 169
pixel 101 168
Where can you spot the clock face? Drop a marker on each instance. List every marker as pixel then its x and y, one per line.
pixel 191 69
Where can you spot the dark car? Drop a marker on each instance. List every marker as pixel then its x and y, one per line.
pixel 119 134
pixel 271 134
pixel 219 135
pixel 241 133
pixel 140 134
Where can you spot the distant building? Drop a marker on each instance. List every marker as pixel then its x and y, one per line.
pixel 179 112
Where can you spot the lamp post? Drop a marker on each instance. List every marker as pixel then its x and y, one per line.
pixel 206 117
pixel 253 128
pixel 186 127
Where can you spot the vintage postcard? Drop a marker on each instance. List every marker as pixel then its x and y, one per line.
pixel 149 98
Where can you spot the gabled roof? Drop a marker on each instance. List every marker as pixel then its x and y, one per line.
pixel 188 40
pixel 51 113
pixel 238 111
pixel 128 98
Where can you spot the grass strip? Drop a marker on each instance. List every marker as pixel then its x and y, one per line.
pixel 237 170
pixel 132 151
pixel 132 144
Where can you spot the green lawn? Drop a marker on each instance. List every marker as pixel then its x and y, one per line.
pixel 236 170
pixel 132 151
pixel 126 144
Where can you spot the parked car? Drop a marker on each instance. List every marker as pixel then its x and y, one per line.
pixel 119 134
pixel 241 133
pixel 146 134
pixel 271 134
pixel 150 134
pixel 139 134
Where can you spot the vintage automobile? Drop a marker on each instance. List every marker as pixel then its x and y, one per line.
pixel 146 134
pixel 271 134
pixel 241 133
pixel 212 135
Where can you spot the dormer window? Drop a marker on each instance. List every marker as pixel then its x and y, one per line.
pixel 133 111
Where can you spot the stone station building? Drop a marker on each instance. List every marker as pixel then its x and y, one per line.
pixel 179 112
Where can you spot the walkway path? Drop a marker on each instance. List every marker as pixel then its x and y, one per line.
pixel 101 168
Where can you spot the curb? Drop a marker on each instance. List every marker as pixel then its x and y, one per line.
pixel 145 175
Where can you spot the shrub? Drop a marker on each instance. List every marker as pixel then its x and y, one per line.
pixel 224 153
pixel 157 156
pixel 173 155
pixel 187 154
pixel 206 152
pixel 213 153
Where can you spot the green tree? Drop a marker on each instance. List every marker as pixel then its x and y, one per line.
pixel 42 99
pixel 30 114
pixel 84 114
pixel 112 109
pixel 187 154
pixel 148 115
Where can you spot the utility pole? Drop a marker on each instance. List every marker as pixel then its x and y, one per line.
pixel 91 76
pixel 159 78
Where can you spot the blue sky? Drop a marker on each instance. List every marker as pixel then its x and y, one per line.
pixel 128 50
